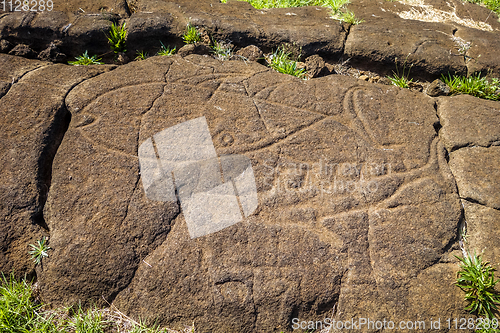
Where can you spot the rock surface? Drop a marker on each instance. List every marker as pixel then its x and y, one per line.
pixel 436 36
pixel 33 121
pixel 471 133
pixel 362 189
pixel 438 88
pixel 348 175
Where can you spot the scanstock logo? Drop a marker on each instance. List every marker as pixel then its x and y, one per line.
pixel 180 163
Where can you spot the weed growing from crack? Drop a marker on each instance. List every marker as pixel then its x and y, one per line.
pixel 39 251
pixel 339 12
pixel 117 37
pixel 474 85
pixel 401 80
pixel 141 55
pixel 281 62
pixel 461 45
pixel 85 60
pixel 348 17
pixel 166 50
pixel 222 50
pixel 192 35
pixel 477 279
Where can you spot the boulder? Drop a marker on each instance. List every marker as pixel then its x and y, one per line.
pixel 23 50
pixel 315 66
pixel 468 121
pixel 436 36
pixel 403 43
pixel 438 88
pixel 5 46
pixel 198 48
pixel 33 121
pixel 52 53
pixel 250 53
pixel 347 175
pixel 471 134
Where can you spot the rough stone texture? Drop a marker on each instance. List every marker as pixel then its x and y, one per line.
pixel 33 120
pixel 4 87
pixel 75 7
pixel 477 174
pixel 5 46
pixel 197 48
pixel 468 121
pixel 471 133
pixel 483 54
pixel 438 88
pixel 250 53
pixel 420 43
pixel 483 231
pixel 348 175
pixel 315 66
pixel 23 51
pixel 52 53
pixel 384 35
pixel 360 186
pixel 146 30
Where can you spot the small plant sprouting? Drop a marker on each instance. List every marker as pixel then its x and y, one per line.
pixel 401 80
pixel 222 50
pixel 339 12
pixel 192 35
pixel 474 85
pixel 141 55
pixel 461 45
pixel 117 37
pixel 280 61
pixel 477 279
pixel 85 60
pixel 39 250
pixel 348 17
pixel 166 50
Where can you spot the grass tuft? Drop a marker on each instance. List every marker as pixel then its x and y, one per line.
pixel 117 37
pixel 90 321
pixel 166 50
pixel 141 55
pixel 401 79
pixel 17 310
pixel 281 62
pixel 477 279
pixel 192 35
pixel 20 313
pixel 222 50
pixel 474 85
pixel 85 60
pixel 347 16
